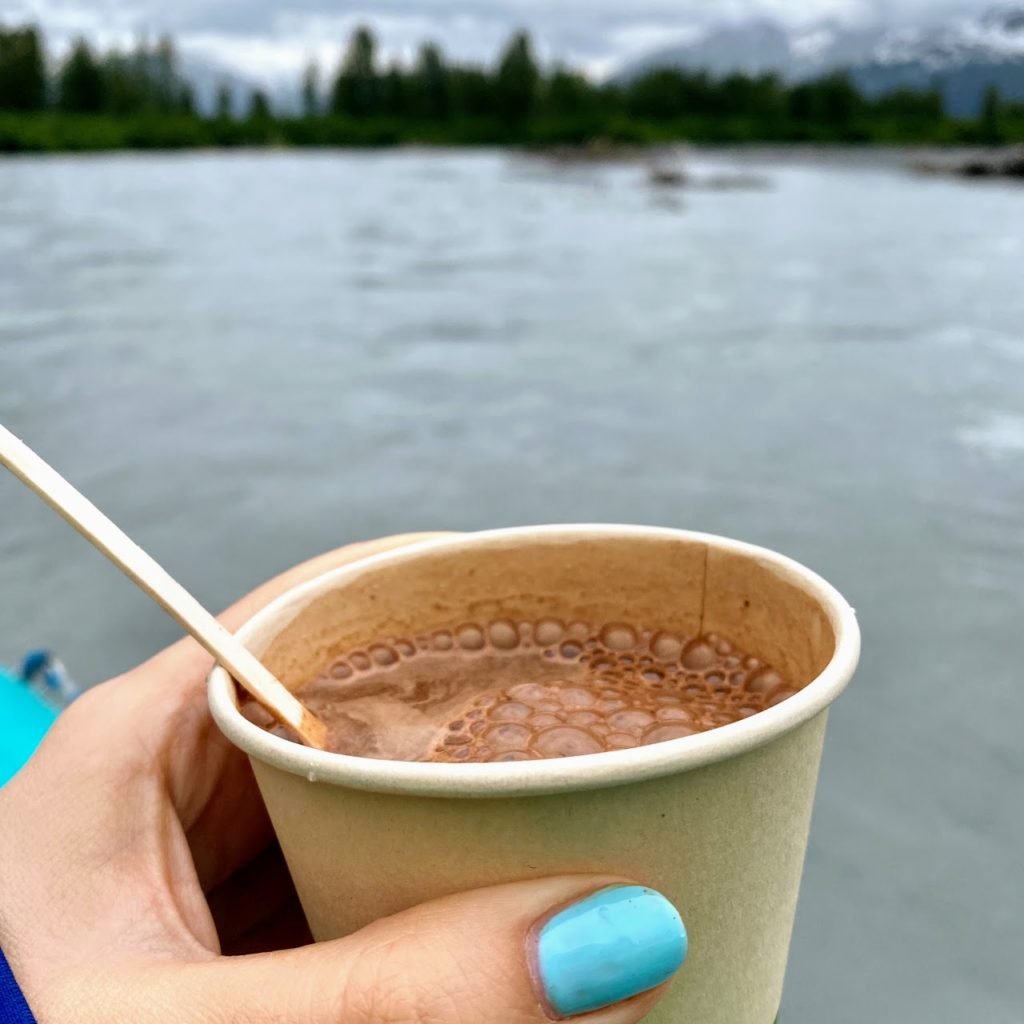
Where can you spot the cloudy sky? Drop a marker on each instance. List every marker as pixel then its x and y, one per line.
pixel 274 38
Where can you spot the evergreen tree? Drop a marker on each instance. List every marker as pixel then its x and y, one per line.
pixel 472 91
pixel 517 81
pixel 991 123
pixel 311 90
pixel 186 100
pixel 658 96
pixel 356 89
pixel 259 105
pixel 22 70
pixel 163 75
pixel 840 103
pixel 568 94
pixel 431 84
pixel 121 87
pixel 395 92
pixel 803 104
pixel 80 86
pixel 223 105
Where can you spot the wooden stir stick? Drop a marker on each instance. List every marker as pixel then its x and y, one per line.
pixel 257 680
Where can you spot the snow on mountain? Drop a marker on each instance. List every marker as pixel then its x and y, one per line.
pixel 961 56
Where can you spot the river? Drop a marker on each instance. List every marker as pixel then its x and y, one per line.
pixel 250 358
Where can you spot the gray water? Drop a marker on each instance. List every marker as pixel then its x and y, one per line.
pixel 248 359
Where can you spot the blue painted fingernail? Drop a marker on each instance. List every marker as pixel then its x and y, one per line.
pixel 612 945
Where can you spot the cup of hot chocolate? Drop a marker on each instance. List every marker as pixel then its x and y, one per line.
pixel 547 700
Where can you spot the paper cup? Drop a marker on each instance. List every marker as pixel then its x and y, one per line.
pixel 717 821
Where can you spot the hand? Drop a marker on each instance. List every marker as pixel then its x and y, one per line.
pixel 140 883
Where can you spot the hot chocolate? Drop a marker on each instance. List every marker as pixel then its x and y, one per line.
pixel 510 691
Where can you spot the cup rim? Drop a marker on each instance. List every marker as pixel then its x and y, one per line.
pixel 526 778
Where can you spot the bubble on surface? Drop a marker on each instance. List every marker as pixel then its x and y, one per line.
pixel 618 637
pixel 673 715
pixel 581 689
pixel 765 681
pixel 508 734
pixel 382 654
pixel 662 733
pixel 632 720
pixel 511 712
pixel 470 637
pixel 503 635
pixel 566 741
pixel 698 655
pixel 666 646
pixel 620 741
pixel 548 632
pixel 544 721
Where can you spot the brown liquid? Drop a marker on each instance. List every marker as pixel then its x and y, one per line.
pixel 519 692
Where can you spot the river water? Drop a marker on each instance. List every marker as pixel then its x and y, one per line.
pixel 250 358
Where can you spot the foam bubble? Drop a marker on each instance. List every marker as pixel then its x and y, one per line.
pixel 618 637
pixel 509 735
pixel 503 635
pixel 511 712
pixel 383 655
pixel 544 721
pixel 620 741
pixel 577 697
pixel 566 741
pixel 668 714
pixel 661 733
pixel 548 632
pixel 765 681
pixel 512 755
pixel 470 637
pixel 698 655
pixel 630 720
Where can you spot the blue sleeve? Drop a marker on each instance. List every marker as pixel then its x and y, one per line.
pixel 13 1008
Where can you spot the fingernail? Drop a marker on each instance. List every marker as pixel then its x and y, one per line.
pixel 608 947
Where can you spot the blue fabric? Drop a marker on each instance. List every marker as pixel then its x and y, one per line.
pixel 24 720
pixel 13 1008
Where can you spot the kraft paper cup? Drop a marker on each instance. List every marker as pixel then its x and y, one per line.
pixel 717 821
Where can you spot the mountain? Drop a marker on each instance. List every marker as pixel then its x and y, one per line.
pixel 962 56
pixel 760 46
pixel 206 77
pixel 962 59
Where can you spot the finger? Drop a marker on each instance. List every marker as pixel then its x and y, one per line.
pixel 596 949
pixel 211 782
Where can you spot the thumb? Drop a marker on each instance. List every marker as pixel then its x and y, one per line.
pixel 597 948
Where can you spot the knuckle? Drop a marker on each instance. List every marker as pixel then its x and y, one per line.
pixel 410 980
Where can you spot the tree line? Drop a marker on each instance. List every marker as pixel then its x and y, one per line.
pixel 141 97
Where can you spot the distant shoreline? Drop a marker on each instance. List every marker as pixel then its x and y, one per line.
pixel 53 132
